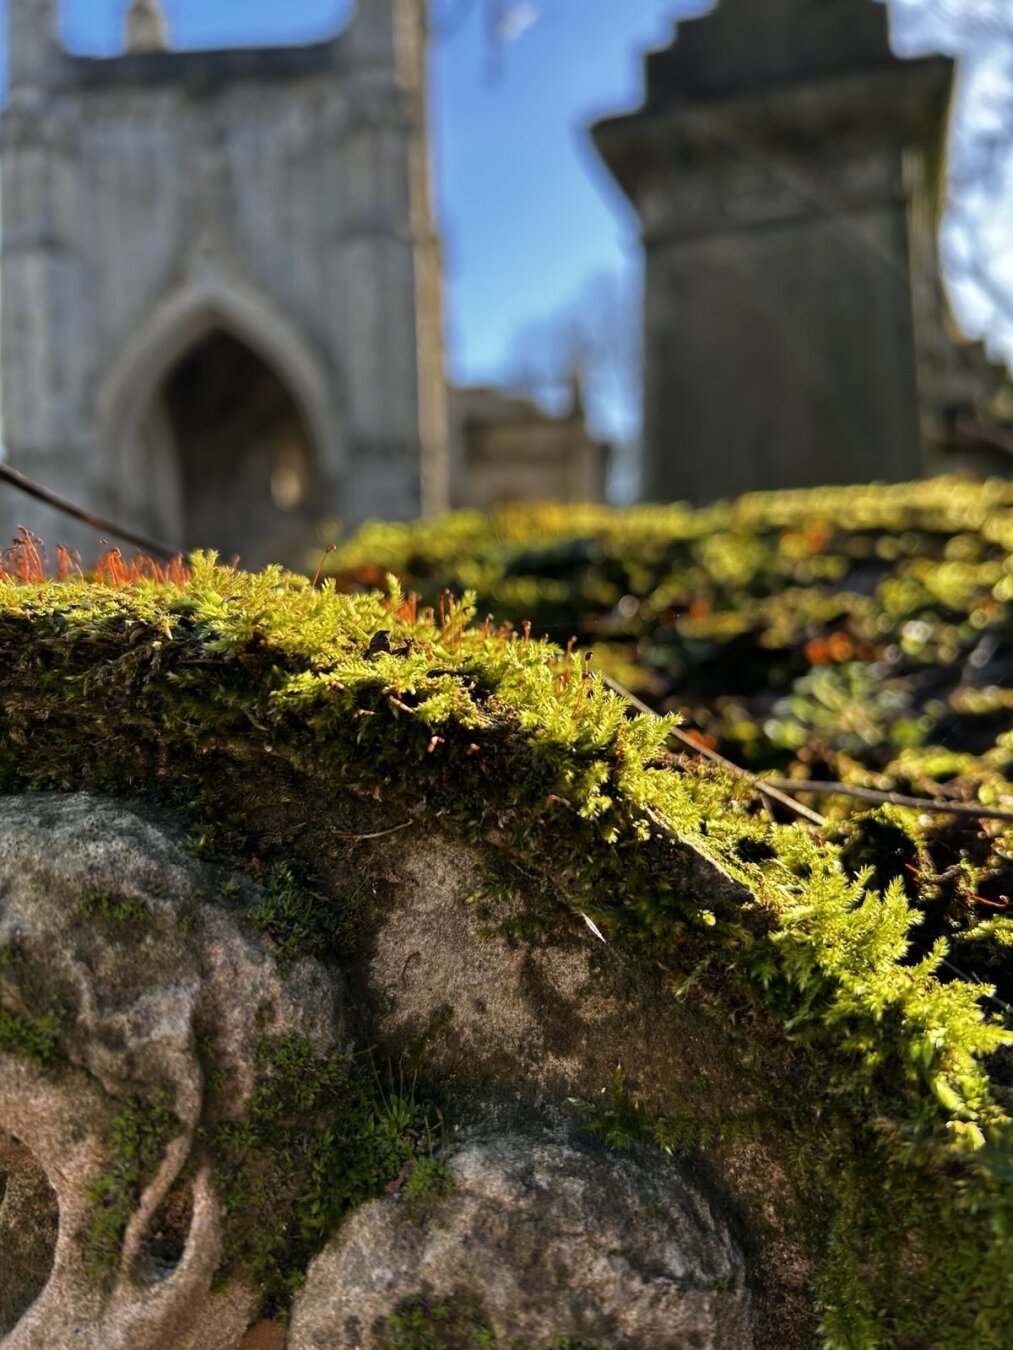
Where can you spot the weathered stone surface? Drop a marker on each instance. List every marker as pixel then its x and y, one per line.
pixel 122 962
pixel 540 1239
pixel 115 951
pixel 555 1014
pixel 28 1228
pixel 552 1017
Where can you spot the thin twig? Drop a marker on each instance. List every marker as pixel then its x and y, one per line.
pixel 889 798
pixel 765 786
pixel 69 508
pixel 375 834
pixel 762 785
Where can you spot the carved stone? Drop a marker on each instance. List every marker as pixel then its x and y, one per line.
pixel 138 990
pixel 106 930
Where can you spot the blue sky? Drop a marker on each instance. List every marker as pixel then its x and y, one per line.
pixel 528 215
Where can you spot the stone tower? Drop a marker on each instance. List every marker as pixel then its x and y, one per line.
pixel 221 282
pixel 777 165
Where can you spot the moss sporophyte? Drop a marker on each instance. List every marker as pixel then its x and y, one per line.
pixel 164 687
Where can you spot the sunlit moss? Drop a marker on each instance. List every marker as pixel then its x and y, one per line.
pixel 223 690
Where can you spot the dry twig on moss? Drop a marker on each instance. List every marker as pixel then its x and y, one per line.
pixel 43 494
pixel 879 798
pixel 763 786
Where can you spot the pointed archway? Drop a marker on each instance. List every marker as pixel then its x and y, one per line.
pixel 219 429
pixel 235 453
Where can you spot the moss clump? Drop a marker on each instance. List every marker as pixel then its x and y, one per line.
pixel 296 924
pixel 105 905
pixel 623 1121
pixel 882 846
pixel 31 1018
pixel 854 634
pixel 139 1134
pixel 34 1038
pixel 454 1323
pixel 926 1242
pixel 429 1179
pixel 238 695
pixel 299 922
pixel 321 1135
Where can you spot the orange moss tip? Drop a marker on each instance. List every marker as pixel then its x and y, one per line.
pixel 26 561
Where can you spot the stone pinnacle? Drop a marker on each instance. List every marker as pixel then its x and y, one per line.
pixel 147 30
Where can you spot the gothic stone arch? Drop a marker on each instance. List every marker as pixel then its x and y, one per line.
pixel 139 462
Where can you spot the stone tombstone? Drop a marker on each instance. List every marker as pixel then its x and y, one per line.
pixel 221 283
pixel 774 167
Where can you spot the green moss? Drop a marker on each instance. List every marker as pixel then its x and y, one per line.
pixel 322 1134
pixel 622 1121
pixel 860 634
pixel 34 1038
pixel 881 845
pixel 251 700
pixel 924 1241
pixel 454 1323
pixel 32 1016
pixel 298 924
pixel 139 1134
pixel 106 905
pixel 429 1179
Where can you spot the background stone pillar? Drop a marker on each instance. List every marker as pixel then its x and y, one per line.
pixel 767 168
